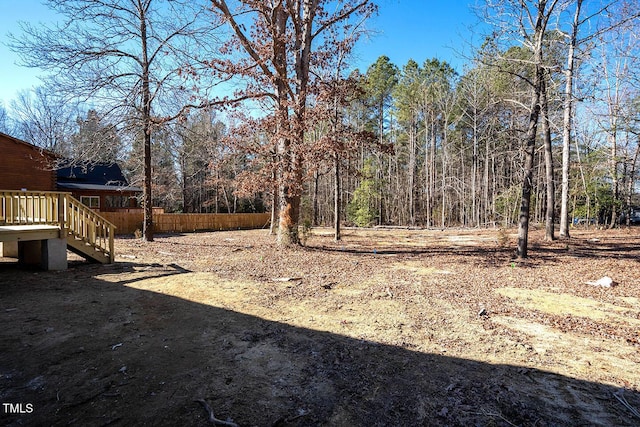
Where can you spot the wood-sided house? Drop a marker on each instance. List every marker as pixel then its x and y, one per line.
pixel 25 167
pixel 39 220
pixel 102 187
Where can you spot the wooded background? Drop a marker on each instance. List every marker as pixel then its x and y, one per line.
pixel 546 111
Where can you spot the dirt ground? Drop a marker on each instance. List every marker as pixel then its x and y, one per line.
pixel 388 327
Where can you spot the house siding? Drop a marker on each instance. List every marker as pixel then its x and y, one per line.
pixel 78 194
pixel 24 166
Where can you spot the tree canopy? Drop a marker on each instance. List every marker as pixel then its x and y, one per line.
pixel 550 97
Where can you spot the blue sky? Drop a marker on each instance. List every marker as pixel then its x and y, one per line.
pixel 12 77
pixel 406 29
pixel 419 30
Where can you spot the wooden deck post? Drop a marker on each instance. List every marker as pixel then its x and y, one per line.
pixel 62 205
pixel 112 254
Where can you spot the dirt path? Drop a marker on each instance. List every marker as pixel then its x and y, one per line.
pixel 387 327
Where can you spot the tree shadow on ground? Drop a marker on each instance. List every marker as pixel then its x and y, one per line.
pixel 489 253
pixel 85 351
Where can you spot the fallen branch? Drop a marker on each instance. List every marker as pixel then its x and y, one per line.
pixel 626 404
pixel 212 417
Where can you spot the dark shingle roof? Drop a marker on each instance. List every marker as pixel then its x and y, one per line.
pixel 94 177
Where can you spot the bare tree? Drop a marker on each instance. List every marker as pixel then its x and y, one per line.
pixel 615 86
pixel 4 120
pixel 598 20
pixel 339 93
pixel 536 24
pixel 123 56
pixel 340 139
pixel 44 119
pixel 566 122
pixel 478 107
pixel 197 147
pixel 548 160
pixel 285 42
pixel 529 21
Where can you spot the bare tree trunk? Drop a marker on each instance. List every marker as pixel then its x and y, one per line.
pixel 548 161
pixel 584 186
pixel 226 199
pixel 337 198
pixel 427 177
pixel 443 179
pixel 530 138
pixel 463 210
pixel 147 231
pixel 185 195
pixel 613 137
pixel 525 206
pixel 289 197
pixel 488 206
pixel 411 177
pixel 147 202
pixel 273 228
pixel 217 190
pixel 275 188
pixel 631 182
pixel 316 208
pixel 289 214
pixel 566 123
pixel 430 167
pixel 475 210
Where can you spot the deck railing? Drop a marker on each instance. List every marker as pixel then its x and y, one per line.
pixel 84 223
pixel 31 208
pixel 62 210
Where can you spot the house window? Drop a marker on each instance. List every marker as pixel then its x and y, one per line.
pixel 116 201
pixel 91 201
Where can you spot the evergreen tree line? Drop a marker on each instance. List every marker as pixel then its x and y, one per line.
pixel 454 155
pixel 415 144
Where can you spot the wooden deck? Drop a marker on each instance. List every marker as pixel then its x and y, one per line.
pixel 17 233
pixel 58 221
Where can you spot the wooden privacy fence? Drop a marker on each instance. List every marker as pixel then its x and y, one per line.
pixel 126 222
pixel 129 222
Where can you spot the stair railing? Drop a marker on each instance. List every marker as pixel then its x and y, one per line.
pixel 84 223
pixel 59 209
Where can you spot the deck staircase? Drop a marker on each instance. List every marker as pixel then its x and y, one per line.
pixel 86 232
